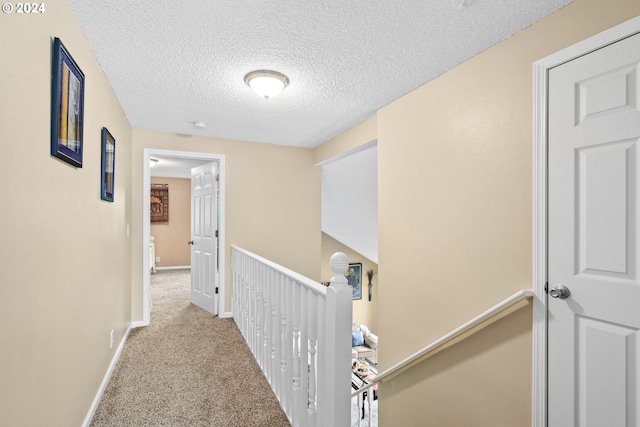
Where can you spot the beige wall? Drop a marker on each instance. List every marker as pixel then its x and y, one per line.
pixel 272 202
pixel 364 311
pixel 455 221
pixel 171 238
pixel 65 254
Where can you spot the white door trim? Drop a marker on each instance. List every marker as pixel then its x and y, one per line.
pixel 540 71
pixel 146 227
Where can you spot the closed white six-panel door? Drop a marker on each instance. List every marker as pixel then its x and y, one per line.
pixel 593 202
pixel 203 237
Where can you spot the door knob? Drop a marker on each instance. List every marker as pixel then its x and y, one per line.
pixel 560 291
pixel 190 242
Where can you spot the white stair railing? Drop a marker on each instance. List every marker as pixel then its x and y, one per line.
pixel 300 334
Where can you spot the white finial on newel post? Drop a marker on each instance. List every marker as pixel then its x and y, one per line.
pixel 339 265
pixel 338 328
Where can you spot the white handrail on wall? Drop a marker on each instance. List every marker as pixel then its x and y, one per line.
pixel 300 334
pixel 474 325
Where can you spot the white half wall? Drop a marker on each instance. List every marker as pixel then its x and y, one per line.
pixel 350 200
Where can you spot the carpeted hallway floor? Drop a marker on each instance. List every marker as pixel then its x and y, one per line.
pixel 187 368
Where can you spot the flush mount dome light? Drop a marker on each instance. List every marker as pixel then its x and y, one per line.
pixel 266 83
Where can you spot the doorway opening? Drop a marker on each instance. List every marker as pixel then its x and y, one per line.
pixel 219 159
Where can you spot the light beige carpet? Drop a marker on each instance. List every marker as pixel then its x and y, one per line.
pixel 187 368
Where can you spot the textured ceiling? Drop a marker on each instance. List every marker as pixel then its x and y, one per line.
pixel 172 63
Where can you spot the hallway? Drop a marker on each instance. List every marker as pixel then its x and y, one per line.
pixel 187 368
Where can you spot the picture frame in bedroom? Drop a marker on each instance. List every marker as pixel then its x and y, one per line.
pixel 67 106
pixel 108 168
pixel 354 279
pixel 159 203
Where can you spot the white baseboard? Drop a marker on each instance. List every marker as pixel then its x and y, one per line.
pixel 139 324
pixel 175 267
pixel 225 315
pixel 105 380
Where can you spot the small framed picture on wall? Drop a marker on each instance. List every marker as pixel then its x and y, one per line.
pixel 67 106
pixel 354 279
pixel 108 166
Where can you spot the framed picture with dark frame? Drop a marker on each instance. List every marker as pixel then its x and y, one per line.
pixel 354 279
pixel 108 169
pixel 67 106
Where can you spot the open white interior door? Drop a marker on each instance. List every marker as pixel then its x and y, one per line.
pixel 593 259
pixel 204 190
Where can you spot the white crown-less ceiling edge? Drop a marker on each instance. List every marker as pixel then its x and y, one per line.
pixel 172 64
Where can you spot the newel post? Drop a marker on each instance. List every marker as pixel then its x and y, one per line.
pixel 339 319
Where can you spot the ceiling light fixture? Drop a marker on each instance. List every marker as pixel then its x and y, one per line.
pixel 153 162
pixel 266 83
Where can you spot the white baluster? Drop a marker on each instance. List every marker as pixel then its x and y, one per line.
pixel 313 341
pixel 238 312
pixel 241 292
pixel 296 356
pixel 245 291
pixel 250 297
pixel 234 311
pixel 265 322
pixel 284 383
pixel 245 296
pixel 288 346
pixel 260 324
pixel 274 329
pixel 238 291
pixel 304 356
pixel 322 357
pixel 274 333
pixel 254 295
